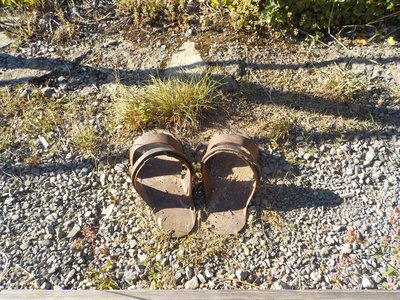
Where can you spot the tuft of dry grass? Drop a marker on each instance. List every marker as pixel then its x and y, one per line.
pixel 85 138
pixel 155 11
pixel 272 217
pixel 64 33
pixel 395 92
pixel 347 86
pixel 179 102
pixel 279 126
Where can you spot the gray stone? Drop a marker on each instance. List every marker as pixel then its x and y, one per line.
pixel 70 275
pixel 280 285
pixel 376 175
pixel 324 251
pixel 178 277
pixel 45 243
pixel 61 233
pixel 208 273
pixel 347 195
pixel 106 212
pixel 141 256
pixel 74 231
pixel 50 229
pixel 53 269
pixel 211 285
pixel 119 168
pixel 346 248
pixel 189 272
pixel 379 212
pixel 48 92
pixel 201 278
pixel 192 284
pixel 45 286
pixel 25 245
pixel 241 274
pixel 330 241
pixel 103 179
pixel 131 277
pixel 338 228
pixel 315 276
pixel 268 170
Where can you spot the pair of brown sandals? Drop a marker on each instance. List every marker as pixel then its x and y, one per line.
pixel 163 176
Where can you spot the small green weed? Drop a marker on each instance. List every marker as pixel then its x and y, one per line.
pixel 102 277
pixel 20 3
pixel 390 250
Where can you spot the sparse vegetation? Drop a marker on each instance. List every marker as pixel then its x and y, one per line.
pixel 28 115
pixel 175 101
pixel 31 114
pixel 198 248
pixel 279 126
pixel 271 217
pixel 390 250
pixel 317 16
pixel 155 11
pixel 85 138
pixel 291 105
pixel 65 32
pixel 19 3
pixel 347 86
pixel 312 18
pixel 102 278
pixel 37 18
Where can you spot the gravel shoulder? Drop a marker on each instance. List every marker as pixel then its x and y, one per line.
pixel 70 218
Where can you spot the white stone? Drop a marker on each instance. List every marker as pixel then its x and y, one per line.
pixel 4 40
pixel 192 284
pixel 367 283
pixel 186 61
pixel 370 155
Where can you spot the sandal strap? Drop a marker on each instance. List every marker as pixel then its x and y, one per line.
pixel 235 149
pixel 159 150
pixel 236 140
pixel 239 144
pixel 150 141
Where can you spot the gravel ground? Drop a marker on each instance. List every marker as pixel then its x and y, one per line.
pixel 323 217
pixel 334 210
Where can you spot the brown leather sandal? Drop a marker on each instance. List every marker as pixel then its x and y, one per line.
pixel 231 174
pixel 162 176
